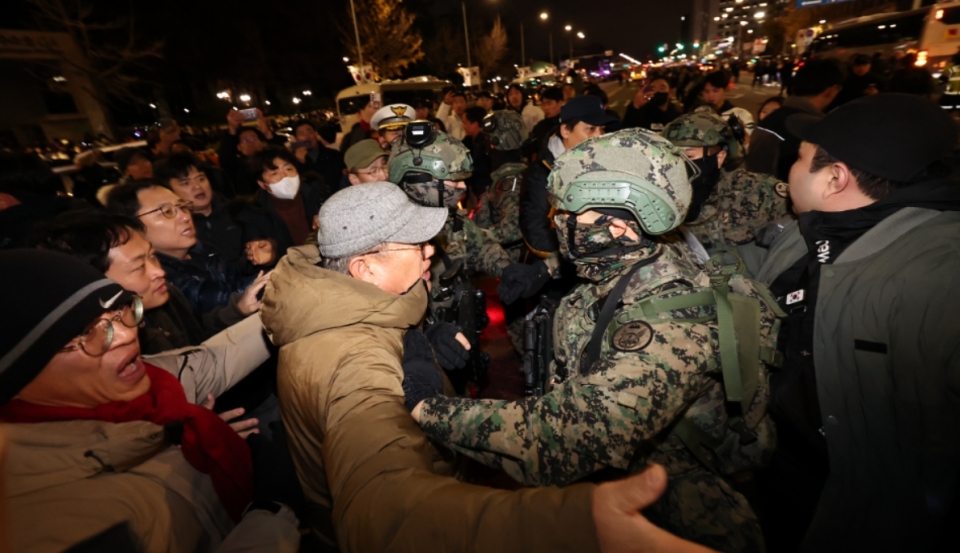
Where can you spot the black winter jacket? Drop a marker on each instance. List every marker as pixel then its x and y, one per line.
pixel 535 222
pixel 204 279
pixel 326 163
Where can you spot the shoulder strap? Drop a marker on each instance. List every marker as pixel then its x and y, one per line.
pixel 606 315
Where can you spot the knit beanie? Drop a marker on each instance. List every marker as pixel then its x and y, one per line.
pixel 50 299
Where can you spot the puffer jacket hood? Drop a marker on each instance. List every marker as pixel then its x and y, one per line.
pixel 302 299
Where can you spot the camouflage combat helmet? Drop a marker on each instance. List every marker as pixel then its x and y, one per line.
pixel 444 158
pixel 631 169
pixel 505 129
pixel 423 159
pixel 702 127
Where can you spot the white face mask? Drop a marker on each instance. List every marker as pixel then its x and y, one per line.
pixel 286 188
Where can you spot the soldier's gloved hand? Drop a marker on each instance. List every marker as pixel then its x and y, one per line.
pixel 520 280
pixel 274 475
pixel 421 376
pixel 450 351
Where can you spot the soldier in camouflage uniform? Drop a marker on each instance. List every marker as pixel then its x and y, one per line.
pixel 656 391
pixel 499 208
pixel 729 204
pixel 437 180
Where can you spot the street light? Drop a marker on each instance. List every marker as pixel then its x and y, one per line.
pixel 580 35
pixel 307 93
pixel 244 98
pixel 346 59
pixel 544 16
pixel 296 100
pixel 466 32
pixel 568 28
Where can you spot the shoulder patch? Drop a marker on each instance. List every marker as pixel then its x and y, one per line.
pixel 782 189
pixel 633 336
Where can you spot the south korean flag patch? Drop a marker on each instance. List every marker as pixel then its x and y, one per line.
pixel 795 297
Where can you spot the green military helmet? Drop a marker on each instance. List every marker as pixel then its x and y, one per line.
pixel 505 129
pixel 437 154
pixel 632 169
pixel 702 127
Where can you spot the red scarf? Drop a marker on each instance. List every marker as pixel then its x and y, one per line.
pixel 208 443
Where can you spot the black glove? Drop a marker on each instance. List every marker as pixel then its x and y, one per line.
pixel 520 280
pixel 421 376
pixel 450 353
pixel 274 475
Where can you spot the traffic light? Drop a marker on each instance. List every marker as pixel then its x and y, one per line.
pixel 660 49
pixel 679 46
pixel 696 43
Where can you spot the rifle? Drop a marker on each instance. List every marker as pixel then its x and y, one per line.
pixel 540 370
pixel 465 307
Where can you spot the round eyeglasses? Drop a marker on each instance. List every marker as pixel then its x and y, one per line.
pixel 98 336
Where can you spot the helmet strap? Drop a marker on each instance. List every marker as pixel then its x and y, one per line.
pixel 571 243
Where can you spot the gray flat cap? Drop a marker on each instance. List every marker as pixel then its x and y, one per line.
pixel 357 219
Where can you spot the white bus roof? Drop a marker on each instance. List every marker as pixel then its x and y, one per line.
pixel 875 18
pixel 414 83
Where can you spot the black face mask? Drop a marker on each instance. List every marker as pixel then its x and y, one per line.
pixel 660 99
pixel 704 184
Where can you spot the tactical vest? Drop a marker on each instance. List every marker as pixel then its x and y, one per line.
pixel 747 322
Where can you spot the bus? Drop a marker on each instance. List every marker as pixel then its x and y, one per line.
pixel 408 91
pixel 932 33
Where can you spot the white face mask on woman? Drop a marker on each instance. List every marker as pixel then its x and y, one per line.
pixel 286 188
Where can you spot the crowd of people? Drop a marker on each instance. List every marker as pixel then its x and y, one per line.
pixel 273 344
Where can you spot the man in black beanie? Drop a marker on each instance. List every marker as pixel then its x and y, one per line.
pixel 868 422
pixel 100 436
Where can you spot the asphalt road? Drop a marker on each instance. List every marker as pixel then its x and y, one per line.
pixel 741 95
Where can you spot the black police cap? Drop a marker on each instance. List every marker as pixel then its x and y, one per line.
pixel 588 109
pixel 892 136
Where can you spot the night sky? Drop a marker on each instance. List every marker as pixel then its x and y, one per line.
pixel 247 43
pixel 632 27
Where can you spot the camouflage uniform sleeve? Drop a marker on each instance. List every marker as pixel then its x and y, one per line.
pixel 507 228
pixel 587 423
pixel 757 202
pixel 484 253
pixel 482 216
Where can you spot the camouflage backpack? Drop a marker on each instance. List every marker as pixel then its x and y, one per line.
pixel 505 129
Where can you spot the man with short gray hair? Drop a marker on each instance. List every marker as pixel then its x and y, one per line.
pixel 347 328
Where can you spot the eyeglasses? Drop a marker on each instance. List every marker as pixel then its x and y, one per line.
pixel 170 210
pixel 381 169
pixel 97 338
pixel 420 247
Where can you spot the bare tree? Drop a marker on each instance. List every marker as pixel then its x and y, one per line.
pixel 445 51
pixel 390 42
pixel 111 53
pixel 492 48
